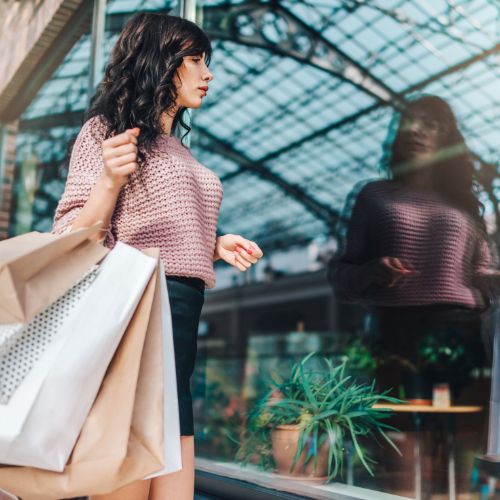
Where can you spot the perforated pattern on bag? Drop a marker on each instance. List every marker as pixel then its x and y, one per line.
pixel 8 335
pixel 24 344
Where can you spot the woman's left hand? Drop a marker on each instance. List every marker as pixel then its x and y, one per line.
pixel 237 251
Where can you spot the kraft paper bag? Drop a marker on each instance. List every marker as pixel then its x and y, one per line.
pixel 38 268
pixel 171 425
pixel 122 439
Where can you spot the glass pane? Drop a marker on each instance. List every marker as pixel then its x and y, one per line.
pixel 50 124
pixel 46 131
pixel 301 123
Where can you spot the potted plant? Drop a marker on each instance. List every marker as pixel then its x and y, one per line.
pixel 440 357
pixel 220 420
pixel 302 425
pixel 447 358
pixel 360 360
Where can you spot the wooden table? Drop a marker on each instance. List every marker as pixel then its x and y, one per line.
pixel 417 411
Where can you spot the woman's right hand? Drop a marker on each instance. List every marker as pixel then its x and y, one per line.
pixel 385 272
pixel 119 154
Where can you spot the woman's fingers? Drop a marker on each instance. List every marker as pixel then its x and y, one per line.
pixel 250 247
pixel 122 160
pixel 397 266
pixel 409 268
pixel 257 251
pixel 134 132
pixel 238 264
pixel 242 261
pixel 119 155
pixel 386 274
pixel 246 256
pixel 399 273
pixel 239 241
pixel 392 283
pixel 129 136
pixel 114 152
pixel 388 271
pixel 127 169
pixel 240 252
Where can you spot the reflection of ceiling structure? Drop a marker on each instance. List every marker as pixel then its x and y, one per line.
pixel 304 93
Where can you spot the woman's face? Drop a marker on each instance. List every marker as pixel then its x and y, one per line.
pixel 419 135
pixel 192 81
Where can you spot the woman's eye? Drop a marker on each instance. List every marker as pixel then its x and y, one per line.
pixel 432 124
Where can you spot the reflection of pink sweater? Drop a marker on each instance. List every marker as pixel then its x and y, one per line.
pixel 441 243
pixel 173 204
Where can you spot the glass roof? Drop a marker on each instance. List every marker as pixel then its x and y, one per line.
pixel 304 92
pixel 321 132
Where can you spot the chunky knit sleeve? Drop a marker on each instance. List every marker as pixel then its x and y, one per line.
pixel 85 167
pixel 483 259
pixel 343 269
pixel 485 275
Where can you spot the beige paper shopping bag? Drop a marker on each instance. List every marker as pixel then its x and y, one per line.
pixel 38 268
pixel 122 438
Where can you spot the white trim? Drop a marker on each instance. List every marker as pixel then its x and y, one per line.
pixel 251 474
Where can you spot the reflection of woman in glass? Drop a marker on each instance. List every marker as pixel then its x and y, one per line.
pixel 128 170
pixel 416 245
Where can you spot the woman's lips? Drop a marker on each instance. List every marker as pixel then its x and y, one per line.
pixel 415 145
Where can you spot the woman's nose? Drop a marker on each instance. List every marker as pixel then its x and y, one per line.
pixel 416 126
pixel 208 76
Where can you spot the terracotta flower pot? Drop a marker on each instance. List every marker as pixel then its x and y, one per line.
pixel 284 440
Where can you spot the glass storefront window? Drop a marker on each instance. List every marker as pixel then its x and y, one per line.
pixel 303 113
pixel 49 126
pixel 46 131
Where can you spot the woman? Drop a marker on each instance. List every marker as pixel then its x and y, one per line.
pixel 416 244
pixel 129 171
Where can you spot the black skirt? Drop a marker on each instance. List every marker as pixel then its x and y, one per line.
pixel 186 296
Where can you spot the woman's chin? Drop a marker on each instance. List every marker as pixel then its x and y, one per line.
pixel 195 103
pixel 419 155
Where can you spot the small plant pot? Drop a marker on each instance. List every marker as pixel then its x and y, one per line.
pixel 285 440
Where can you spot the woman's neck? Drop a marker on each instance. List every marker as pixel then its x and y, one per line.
pixel 167 121
pixel 421 179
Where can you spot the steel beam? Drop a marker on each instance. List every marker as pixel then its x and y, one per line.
pixel 295 191
pixel 272 27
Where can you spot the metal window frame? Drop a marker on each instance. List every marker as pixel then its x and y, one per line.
pixel 3 140
pixel 187 9
pixel 96 51
pixel 225 488
pixel 3 135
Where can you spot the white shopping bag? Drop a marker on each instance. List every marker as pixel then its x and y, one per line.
pixel 171 427
pixel 40 424
pixel 22 345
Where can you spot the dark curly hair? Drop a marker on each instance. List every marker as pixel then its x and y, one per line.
pixel 453 174
pixel 138 84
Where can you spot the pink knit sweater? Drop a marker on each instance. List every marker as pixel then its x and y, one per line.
pixel 441 242
pixel 173 204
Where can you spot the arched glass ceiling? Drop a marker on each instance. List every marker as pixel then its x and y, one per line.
pixel 304 92
pixel 54 116
pixel 319 126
